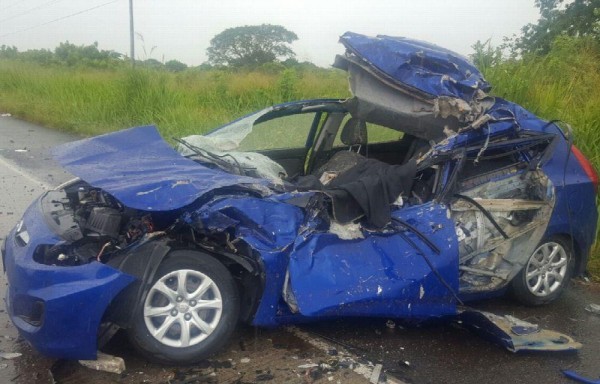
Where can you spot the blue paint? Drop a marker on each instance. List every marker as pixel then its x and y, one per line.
pixel 142 171
pixel 75 298
pixel 422 66
pixel 380 275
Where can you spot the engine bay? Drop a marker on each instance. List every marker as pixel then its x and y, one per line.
pixel 92 224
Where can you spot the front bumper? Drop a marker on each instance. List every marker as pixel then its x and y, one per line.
pixel 57 309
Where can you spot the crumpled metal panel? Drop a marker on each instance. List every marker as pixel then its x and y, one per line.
pixel 504 118
pixel 143 171
pixel 380 275
pixel 269 226
pixel 425 67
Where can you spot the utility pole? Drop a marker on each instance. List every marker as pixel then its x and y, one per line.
pixel 131 40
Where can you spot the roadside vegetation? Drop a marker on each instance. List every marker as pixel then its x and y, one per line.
pixel 91 101
pixel 87 91
pixel 560 85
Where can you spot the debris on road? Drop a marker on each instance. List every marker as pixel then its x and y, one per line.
pixel 106 363
pixel 9 355
pixel 575 376
pixel 593 308
pixel 376 373
pixel 514 334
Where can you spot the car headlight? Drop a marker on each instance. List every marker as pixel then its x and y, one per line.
pixel 21 234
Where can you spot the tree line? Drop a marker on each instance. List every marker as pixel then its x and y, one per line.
pixel 575 22
pixel 263 46
pixel 268 46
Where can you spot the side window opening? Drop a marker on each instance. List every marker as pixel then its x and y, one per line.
pixel 375 134
pixel 283 132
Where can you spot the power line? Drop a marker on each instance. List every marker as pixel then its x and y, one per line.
pixel 59 19
pixel 29 10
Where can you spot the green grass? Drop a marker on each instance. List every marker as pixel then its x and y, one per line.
pixel 92 101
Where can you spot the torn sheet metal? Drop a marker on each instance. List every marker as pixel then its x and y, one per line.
pixel 503 118
pixel 268 226
pixel 432 70
pixel 415 87
pixel 142 171
pixel 380 275
pixel 514 334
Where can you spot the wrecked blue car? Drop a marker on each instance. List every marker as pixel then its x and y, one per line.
pixel 415 195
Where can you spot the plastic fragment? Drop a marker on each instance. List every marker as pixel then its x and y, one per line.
pixel 106 363
pixel 575 376
pixel 593 308
pixel 376 373
pixel 10 355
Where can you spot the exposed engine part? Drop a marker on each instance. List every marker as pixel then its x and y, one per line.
pixel 92 224
pixel 104 221
pixel 136 228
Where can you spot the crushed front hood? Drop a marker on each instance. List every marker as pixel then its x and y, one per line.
pixel 144 172
pixel 415 87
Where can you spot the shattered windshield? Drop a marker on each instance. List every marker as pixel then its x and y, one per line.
pixel 228 137
pixel 238 147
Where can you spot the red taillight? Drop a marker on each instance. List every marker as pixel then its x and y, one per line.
pixel 587 167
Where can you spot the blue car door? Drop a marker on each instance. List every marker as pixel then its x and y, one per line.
pixel 408 269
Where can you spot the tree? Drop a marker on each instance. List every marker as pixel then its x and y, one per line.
pixel 484 55
pixel 151 63
pixel 175 66
pixel 71 54
pixel 251 45
pixel 7 52
pixel 560 17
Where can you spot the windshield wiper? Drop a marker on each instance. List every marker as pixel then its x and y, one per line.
pixel 213 157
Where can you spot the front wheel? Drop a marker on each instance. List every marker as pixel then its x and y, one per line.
pixel 189 312
pixel 546 274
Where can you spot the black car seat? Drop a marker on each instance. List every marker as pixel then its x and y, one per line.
pixel 354 135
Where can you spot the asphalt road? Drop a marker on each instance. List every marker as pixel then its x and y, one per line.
pixel 430 353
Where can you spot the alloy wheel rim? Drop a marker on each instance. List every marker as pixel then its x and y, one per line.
pixel 183 308
pixel 546 269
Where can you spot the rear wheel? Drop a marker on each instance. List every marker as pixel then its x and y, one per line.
pixel 189 312
pixel 546 274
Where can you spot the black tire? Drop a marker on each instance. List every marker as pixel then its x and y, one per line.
pixel 550 269
pixel 170 347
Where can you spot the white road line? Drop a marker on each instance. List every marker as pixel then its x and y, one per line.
pixel 27 175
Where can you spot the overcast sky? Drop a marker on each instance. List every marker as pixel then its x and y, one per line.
pixel 182 29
